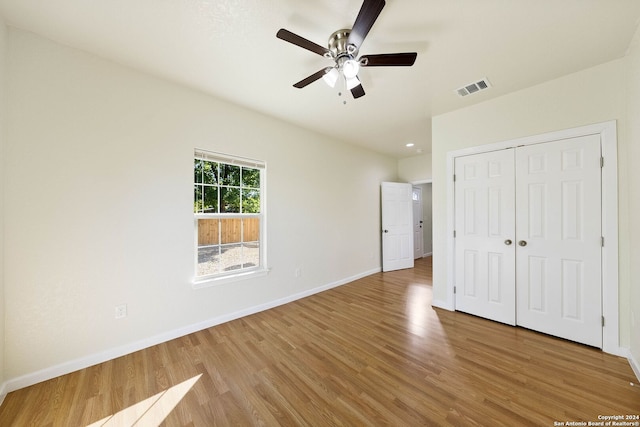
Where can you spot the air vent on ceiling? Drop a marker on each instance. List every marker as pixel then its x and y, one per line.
pixel 474 87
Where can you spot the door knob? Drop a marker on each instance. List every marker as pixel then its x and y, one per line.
pixel 522 243
pixel 508 242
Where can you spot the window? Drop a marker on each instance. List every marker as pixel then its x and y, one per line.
pixel 229 210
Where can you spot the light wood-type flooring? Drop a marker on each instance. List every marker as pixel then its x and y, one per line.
pixel 372 352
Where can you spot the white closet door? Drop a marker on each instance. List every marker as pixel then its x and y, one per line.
pixel 485 235
pixel 558 211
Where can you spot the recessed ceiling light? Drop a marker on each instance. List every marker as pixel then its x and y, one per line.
pixel 411 144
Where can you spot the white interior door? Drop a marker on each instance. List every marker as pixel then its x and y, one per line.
pixel 485 234
pixel 418 245
pixel 397 226
pixel 558 211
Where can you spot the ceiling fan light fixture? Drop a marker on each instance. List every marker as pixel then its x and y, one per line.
pixel 352 82
pixel 350 69
pixel 331 77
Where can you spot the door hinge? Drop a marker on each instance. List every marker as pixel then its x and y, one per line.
pixel 454 234
pixel 454 177
pixel 601 162
pixel 603 321
pixel 602 241
pixel 454 289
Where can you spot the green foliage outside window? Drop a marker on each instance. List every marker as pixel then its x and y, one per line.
pixel 225 188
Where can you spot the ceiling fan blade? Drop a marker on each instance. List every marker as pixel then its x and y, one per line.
pixel 357 91
pixel 367 16
pixel 389 59
pixel 312 78
pixel 290 37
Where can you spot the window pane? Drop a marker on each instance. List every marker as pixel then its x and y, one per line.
pixel 251 229
pixel 251 178
pixel 231 257
pixel 251 255
pixel 209 172
pixel 250 201
pixel 210 203
pixel 229 200
pixel 197 171
pixel 197 198
pixel 231 231
pixel 229 175
pixel 208 260
pixel 208 232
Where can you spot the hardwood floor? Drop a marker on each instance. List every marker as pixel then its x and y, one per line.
pixel 372 352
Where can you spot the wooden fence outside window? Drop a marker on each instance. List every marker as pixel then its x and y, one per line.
pixel 228 230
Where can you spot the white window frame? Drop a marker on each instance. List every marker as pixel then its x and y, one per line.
pixel 245 273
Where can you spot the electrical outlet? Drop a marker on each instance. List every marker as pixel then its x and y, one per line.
pixel 298 272
pixel 121 311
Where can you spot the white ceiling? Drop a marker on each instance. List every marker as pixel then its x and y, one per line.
pixel 228 48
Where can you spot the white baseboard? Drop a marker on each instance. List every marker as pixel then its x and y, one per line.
pixel 94 359
pixel 3 392
pixel 635 366
pixel 616 350
pixel 427 254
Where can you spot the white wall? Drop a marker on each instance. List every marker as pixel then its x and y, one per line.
pixel 589 96
pixel 633 160
pixel 415 169
pixel 3 38
pixel 99 207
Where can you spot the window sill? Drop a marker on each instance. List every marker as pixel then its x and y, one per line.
pixel 214 281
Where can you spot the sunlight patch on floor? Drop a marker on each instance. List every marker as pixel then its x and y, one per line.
pixel 418 305
pixel 149 412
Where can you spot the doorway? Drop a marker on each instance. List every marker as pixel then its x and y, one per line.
pixel 418 238
pixel 426 216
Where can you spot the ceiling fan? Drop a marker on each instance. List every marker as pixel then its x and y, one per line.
pixel 343 48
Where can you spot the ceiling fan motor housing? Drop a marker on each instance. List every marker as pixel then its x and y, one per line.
pixel 340 50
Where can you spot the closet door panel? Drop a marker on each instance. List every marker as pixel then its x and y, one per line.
pixel 485 265
pixel 558 231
